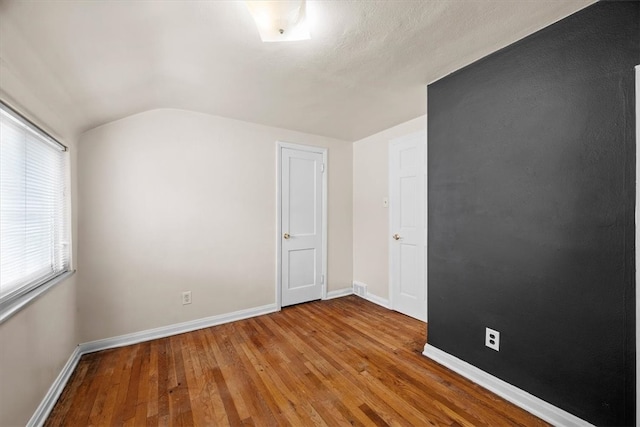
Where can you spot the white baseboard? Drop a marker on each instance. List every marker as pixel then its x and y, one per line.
pixel 339 293
pixel 378 300
pixel 50 399
pixel 48 402
pixel 371 297
pixel 178 328
pixel 513 394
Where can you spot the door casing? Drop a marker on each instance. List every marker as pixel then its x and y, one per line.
pixel 312 149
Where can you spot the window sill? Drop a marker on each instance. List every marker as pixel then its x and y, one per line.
pixel 11 307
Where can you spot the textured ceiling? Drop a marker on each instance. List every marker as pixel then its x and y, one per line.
pixel 364 70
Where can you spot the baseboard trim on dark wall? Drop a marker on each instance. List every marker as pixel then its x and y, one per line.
pixel 526 401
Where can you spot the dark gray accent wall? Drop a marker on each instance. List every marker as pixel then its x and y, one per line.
pixel 531 212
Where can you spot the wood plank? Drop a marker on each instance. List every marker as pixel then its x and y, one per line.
pixel 140 417
pixel 119 359
pixel 380 369
pixel 301 388
pixel 94 375
pixel 339 362
pixel 349 370
pixel 286 397
pixel 153 399
pixel 102 380
pixel 179 400
pixel 208 363
pixel 67 398
pixel 163 380
pixel 131 399
pixel 198 392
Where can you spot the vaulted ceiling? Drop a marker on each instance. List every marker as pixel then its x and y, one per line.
pixel 365 68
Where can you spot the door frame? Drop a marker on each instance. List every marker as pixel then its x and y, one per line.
pixel 392 142
pixel 311 149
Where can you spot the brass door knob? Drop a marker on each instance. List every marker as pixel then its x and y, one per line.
pixel 396 237
pixel 286 236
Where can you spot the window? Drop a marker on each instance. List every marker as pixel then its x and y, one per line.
pixel 34 238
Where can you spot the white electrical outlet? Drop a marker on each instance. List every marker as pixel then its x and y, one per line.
pixel 186 297
pixel 492 339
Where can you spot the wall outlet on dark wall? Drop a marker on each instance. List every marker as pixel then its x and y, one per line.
pixel 492 339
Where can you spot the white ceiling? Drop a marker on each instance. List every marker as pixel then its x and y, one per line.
pixel 364 70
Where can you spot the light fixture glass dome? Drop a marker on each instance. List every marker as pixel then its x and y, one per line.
pixel 283 20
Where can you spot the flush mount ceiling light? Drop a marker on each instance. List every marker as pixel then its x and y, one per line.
pixel 281 20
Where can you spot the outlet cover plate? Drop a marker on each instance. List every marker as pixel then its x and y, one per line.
pixel 186 297
pixel 492 339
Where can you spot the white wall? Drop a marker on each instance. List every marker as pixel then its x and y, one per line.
pixel 35 345
pixel 36 342
pixel 172 200
pixel 370 218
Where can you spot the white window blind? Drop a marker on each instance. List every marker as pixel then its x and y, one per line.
pixel 34 246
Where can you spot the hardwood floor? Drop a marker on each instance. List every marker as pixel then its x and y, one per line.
pixel 339 362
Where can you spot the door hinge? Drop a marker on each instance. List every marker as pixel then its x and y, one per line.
pixel 322 279
pixel 321 167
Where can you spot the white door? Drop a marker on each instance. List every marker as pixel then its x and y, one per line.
pixel 301 225
pixel 407 184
